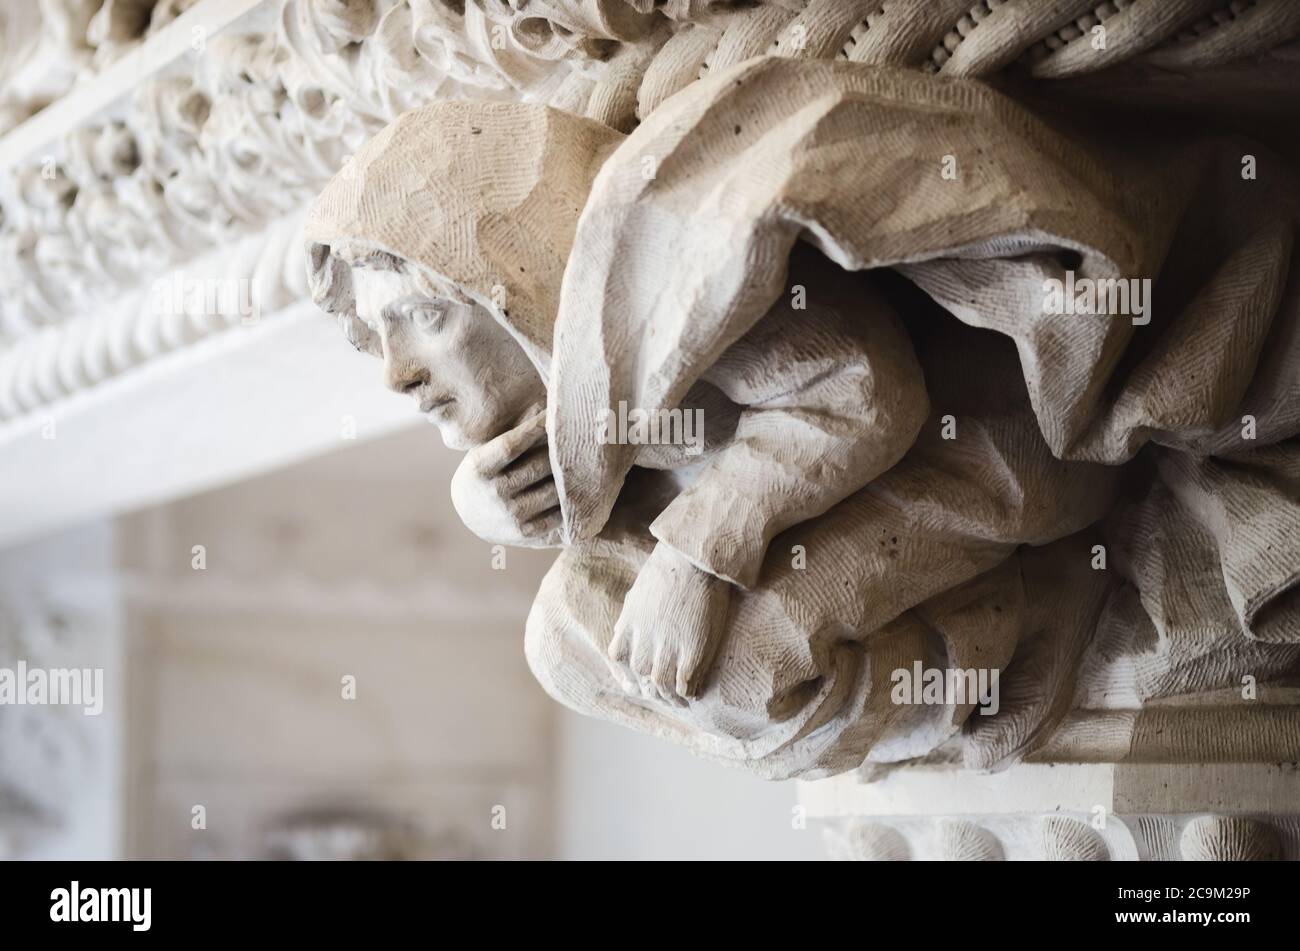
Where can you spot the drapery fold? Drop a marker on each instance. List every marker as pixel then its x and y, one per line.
pixel 683 245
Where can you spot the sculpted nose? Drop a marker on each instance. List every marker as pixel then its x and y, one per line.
pixel 404 376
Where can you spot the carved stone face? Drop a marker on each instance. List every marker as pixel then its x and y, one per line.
pixel 463 369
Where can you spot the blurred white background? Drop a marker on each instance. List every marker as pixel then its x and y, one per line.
pixel 225 690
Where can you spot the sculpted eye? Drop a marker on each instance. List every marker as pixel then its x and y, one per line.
pixel 428 317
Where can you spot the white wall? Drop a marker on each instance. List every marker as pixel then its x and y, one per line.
pixel 623 795
pixel 352 565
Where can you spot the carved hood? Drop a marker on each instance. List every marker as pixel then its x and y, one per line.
pixel 684 242
pixel 485 196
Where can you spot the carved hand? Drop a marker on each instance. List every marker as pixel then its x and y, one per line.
pixel 504 492
pixel 669 629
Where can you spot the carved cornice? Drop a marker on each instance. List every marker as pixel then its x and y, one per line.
pixel 48 49
pixel 244 134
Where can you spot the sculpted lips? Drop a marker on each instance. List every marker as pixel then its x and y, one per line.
pixel 432 406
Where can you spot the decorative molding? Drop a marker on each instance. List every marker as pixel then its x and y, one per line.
pixel 1111 811
pixel 243 136
pixel 254 279
pixel 1060 837
pixel 50 50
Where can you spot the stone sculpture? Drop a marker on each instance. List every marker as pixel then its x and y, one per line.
pixel 660 271
pixel 979 388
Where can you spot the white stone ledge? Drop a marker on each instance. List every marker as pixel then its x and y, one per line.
pixel 1040 789
pixel 229 406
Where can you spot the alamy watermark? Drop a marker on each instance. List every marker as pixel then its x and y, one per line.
pixel 77 903
pixel 664 427
pixel 1110 296
pixel 58 686
pixel 202 296
pixel 946 685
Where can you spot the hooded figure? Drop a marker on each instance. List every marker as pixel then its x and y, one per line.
pixel 459 218
pixel 481 197
pixel 755 593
